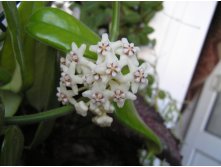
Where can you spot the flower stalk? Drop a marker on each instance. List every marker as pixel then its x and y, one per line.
pixel 38 117
pixel 115 21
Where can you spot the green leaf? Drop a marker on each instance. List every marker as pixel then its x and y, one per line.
pixel 150 79
pixel 129 116
pixel 11 102
pixel 7 59
pixel 149 91
pixel 16 82
pixel 58 29
pixel 2 36
pixel 131 4
pixel 26 9
pixel 5 76
pixel 161 94
pixel 42 95
pixel 131 17
pixel 12 146
pixel 14 30
pixel 43 88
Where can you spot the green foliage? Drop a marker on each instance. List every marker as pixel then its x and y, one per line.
pixel 128 113
pixel 161 94
pixel 44 86
pixel 134 18
pixel 150 80
pixel 11 102
pixel 14 30
pixel 12 146
pixel 42 94
pixel 15 83
pixel 7 60
pixel 5 76
pixel 129 116
pixel 28 68
pixel 59 29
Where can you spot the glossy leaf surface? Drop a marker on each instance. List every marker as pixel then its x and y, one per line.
pixel 59 29
pixel 11 102
pixel 5 76
pixel 42 94
pixel 14 30
pixel 15 84
pixel 25 10
pixel 7 60
pixel 129 116
pixel 44 78
pixel 12 146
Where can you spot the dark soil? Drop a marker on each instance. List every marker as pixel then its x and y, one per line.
pixel 76 141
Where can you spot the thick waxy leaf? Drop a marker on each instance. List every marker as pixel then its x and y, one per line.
pixel 129 116
pixel 16 82
pixel 5 76
pixel 12 146
pixel 11 102
pixel 59 29
pixel 44 78
pixel 7 60
pixel 14 30
pixel 26 9
pixel 42 95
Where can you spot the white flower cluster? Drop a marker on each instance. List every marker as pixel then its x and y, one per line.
pixel 103 81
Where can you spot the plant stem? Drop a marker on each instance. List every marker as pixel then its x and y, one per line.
pixel 38 117
pixel 115 21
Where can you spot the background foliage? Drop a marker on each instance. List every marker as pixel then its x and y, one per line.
pixel 134 18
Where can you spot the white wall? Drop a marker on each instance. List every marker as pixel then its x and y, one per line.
pixel 180 30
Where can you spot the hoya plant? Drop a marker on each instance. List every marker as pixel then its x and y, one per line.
pixel 52 65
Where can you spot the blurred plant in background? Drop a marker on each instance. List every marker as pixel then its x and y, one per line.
pixel 134 16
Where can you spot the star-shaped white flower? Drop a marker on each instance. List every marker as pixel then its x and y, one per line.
pixel 63 65
pixel 104 50
pixel 120 92
pixel 139 78
pixel 103 80
pixel 112 69
pixel 94 76
pixel 64 95
pixel 128 48
pixel 128 53
pixel 98 96
pixel 76 56
pixel 103 47
pixel 69 79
